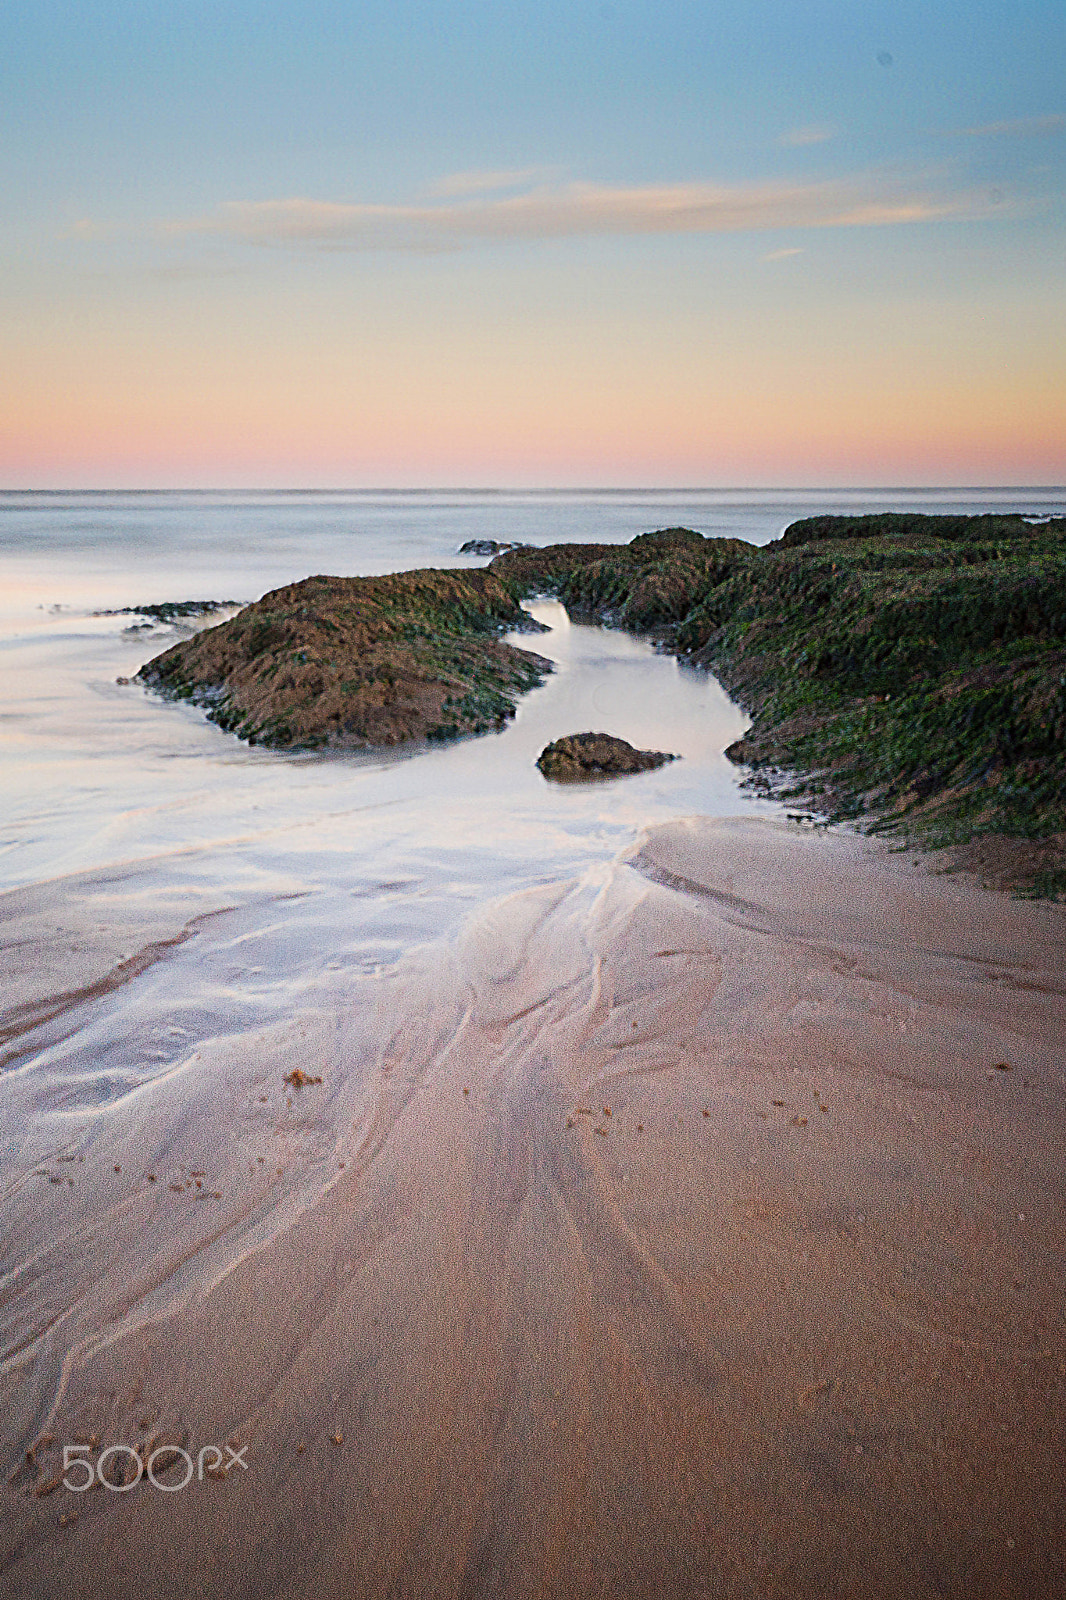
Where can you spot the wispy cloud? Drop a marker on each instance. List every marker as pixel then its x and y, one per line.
pixel 801 136
pixel 83 228
pixel 1017 128
pixel 578 210
pixel 462 183
pixel 780 255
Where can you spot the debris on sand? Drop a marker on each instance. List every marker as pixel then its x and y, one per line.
pixel 299 1079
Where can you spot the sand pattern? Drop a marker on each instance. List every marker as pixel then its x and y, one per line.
pixel 704 1236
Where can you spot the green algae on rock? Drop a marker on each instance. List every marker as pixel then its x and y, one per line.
pixel 648 586
pixel 583 756
pixel 346 663
pixel 905 671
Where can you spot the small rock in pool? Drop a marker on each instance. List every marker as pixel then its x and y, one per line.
pixel 596 755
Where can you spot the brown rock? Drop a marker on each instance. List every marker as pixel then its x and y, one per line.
pixel 351 662
pixel 596 755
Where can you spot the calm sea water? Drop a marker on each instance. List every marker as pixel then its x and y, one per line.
pixel 127 548
pixel 170 898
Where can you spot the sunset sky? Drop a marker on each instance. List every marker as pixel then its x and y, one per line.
pixel 732 242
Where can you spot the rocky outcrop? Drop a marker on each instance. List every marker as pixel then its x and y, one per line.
pixel 491 547
pixel 906 671
pixel 649 585
pixel 581 756
pixel 351 662
pixel 173 610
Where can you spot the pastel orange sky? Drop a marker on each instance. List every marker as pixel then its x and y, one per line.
pixel 652 281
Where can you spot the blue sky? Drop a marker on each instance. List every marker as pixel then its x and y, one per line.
pixel 381 243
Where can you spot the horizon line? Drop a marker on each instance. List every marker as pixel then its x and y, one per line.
pixel 705 488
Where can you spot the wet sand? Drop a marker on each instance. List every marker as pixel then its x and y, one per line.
pixel 702 1234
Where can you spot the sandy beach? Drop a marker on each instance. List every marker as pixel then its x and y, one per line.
pixel 532 801
pixel 704 1235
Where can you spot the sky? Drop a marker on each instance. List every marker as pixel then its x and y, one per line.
pixel 804 243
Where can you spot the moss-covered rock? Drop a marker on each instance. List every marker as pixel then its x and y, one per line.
pixel 907 671
pixel 583 756
pixel 351 662
pixel 649 585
